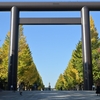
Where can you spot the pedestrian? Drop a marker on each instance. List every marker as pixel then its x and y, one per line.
pixel 11 87
pixel 20 88
pixel 61 88
pixel 93 87
pixel 98 89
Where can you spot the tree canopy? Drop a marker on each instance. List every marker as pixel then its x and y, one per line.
pixel 73 74
pixel 27 71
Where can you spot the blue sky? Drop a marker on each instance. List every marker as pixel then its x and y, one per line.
pixel 51 45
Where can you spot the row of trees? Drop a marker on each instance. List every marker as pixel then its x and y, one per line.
pixel 27 71
pixel 29 75
pixel 73 74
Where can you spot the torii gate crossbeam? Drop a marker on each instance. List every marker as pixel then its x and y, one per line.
pixel 84 7
pixel 50 6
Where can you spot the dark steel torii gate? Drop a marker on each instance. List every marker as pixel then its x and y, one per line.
pixel 84 7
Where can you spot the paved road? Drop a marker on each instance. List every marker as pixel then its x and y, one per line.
pixel 49 95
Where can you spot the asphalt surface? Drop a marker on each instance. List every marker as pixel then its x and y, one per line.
pixel 49 95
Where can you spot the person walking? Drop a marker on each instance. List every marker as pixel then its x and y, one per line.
pixel 11 88
pixel 98 88
pixel 20 88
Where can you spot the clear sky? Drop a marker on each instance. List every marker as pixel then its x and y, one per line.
pixel 51 45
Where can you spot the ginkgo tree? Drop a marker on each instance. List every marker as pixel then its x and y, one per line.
pixel 76 63
pixel 27 71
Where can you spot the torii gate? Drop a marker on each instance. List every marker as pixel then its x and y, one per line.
pixel 84 7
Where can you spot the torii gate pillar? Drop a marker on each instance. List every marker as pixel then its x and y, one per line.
pixel 86 49
pixel 13 55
